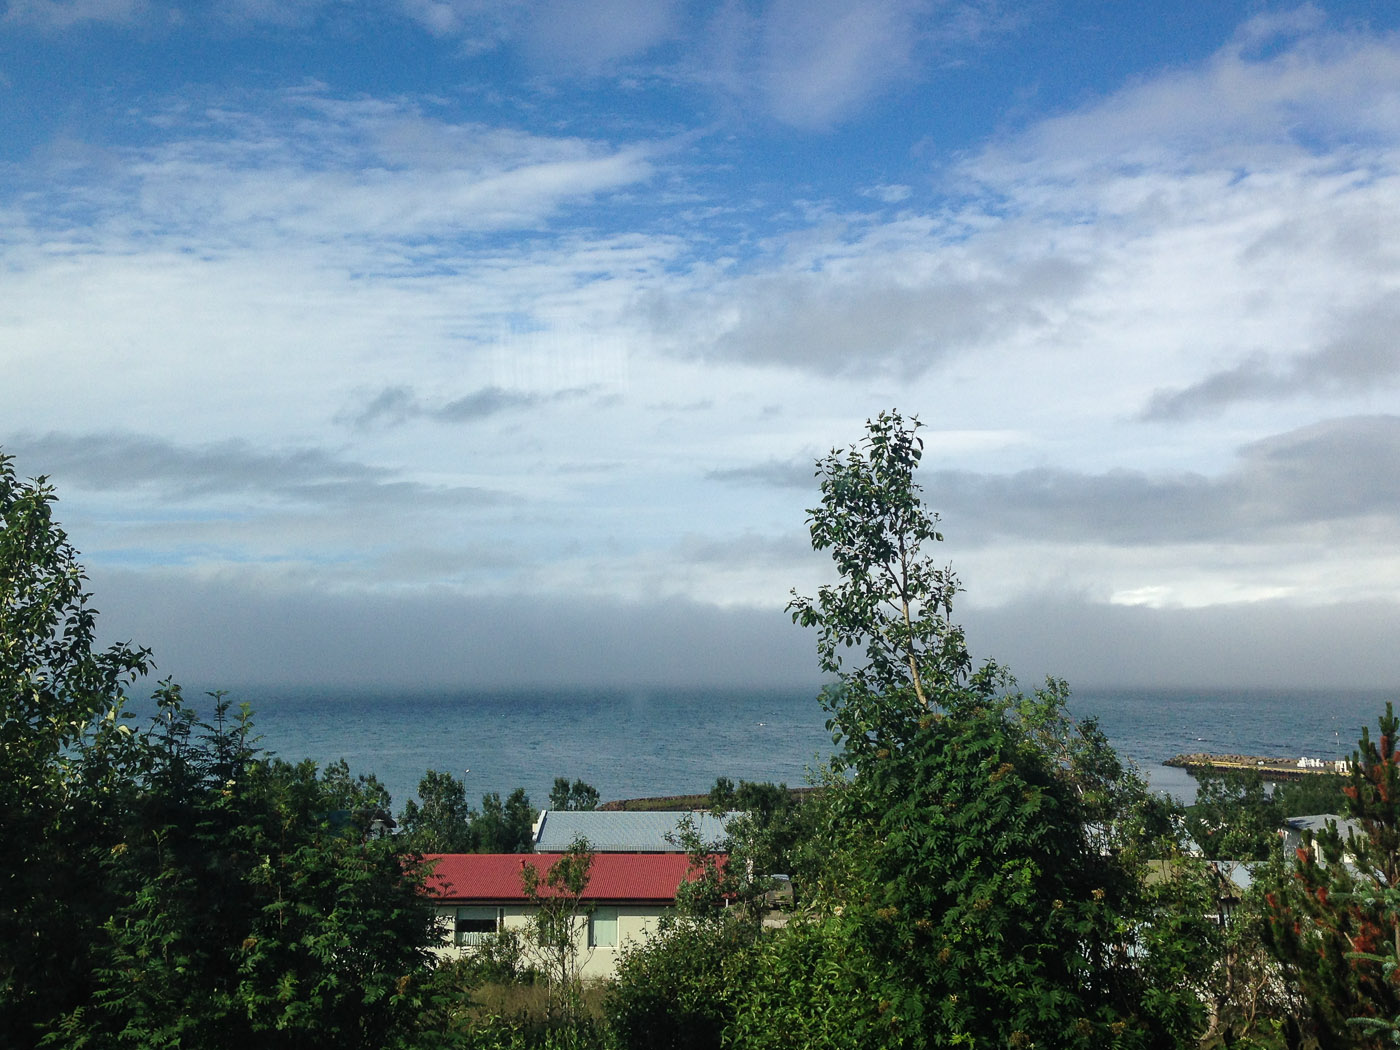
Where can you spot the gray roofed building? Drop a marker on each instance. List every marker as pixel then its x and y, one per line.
pixel 1294 827
pixel 626 831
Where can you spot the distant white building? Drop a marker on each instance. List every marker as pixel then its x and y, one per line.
pixel 1338 765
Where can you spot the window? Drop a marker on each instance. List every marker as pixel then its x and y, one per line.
pixel 476 925
pixel 555 929
pixel 602 928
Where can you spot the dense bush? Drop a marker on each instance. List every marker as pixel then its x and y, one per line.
pixel 171 886
pixel 813 986
pixel 678 990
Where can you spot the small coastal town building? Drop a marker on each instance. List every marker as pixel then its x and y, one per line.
pixel 625 831
pixel 477 895
pixel 1295 827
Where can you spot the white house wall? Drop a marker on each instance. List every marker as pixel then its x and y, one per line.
pixel 635 923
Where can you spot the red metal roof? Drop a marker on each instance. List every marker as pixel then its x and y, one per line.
pixel 613 877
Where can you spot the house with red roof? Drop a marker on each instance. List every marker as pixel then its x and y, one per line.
pixel 477 895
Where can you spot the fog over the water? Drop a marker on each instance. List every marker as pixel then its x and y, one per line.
pixel 213 633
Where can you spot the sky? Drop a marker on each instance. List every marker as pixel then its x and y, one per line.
pixel 439 343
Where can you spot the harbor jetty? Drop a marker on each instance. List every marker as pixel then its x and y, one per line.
pixel 1268 768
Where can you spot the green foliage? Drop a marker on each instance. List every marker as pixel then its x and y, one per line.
pixel 679 989
pixel 514 1030
pixel 986 883
pixel 812 986
pixel 892 602
pixel 722 796
pixel 984 910
pixel 773 826
pixel 458 1007
pixel 170 886
pixel 66 752
pixel 1313 794
pixel 1237 817
pixel 1334 920
pixel 442 821
pixel 560 918
pixel 361 797
pixel 502 959
pixel 1121 815
pixel 505 827
pixel 1234 816
pixel 1252 1002
pixel 250 911
pixel 575 796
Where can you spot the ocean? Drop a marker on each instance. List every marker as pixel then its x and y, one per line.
pixel 630 743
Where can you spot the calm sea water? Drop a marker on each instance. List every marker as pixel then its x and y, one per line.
pixel 638 742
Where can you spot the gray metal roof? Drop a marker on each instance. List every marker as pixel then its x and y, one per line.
pixel 626 831
pixel 1318 822
pixel 1294 827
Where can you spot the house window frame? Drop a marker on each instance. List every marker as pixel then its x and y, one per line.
pixel 480 916
pixel 600 921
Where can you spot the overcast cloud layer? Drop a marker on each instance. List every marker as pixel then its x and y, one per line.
pixel 452 342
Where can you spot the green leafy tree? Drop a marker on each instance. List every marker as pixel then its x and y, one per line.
pixel 66 752
pixel 250 911
pixel 772 827
pixel 453 1012
pixel 1123 815
pixel 805 987
pixel 444 822
pixel 722 796
pixel 679 989
pixel 1234 816
pixel 169 886
pixel 1334 918
pixel 363 795
pixel 559 921
pixel 576 796
pixel 505 827
pixel 1252 1002
pixel 987 913
pixel 441 822
pixel 969 873
pixel 1311 795
pixel 892 603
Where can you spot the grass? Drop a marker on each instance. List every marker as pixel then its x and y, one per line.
pixel 530 1002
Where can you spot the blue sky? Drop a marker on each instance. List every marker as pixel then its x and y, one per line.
pixel 452 342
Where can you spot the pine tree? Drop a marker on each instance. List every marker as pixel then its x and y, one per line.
pixel 1334 920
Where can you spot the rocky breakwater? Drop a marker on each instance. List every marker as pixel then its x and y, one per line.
pixel 1270 768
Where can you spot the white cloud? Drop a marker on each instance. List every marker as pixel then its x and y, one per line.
pixel 589 35
pixel 320 168
pixel 483 23
pixel 57 15
pixel 822 59
pixel 1143 255
pixel 888 193
pixel 813 64
pixel 419 353
pixel 1326 95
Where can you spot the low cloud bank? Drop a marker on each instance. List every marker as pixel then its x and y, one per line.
pixel 212 632
pixel 1273 644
